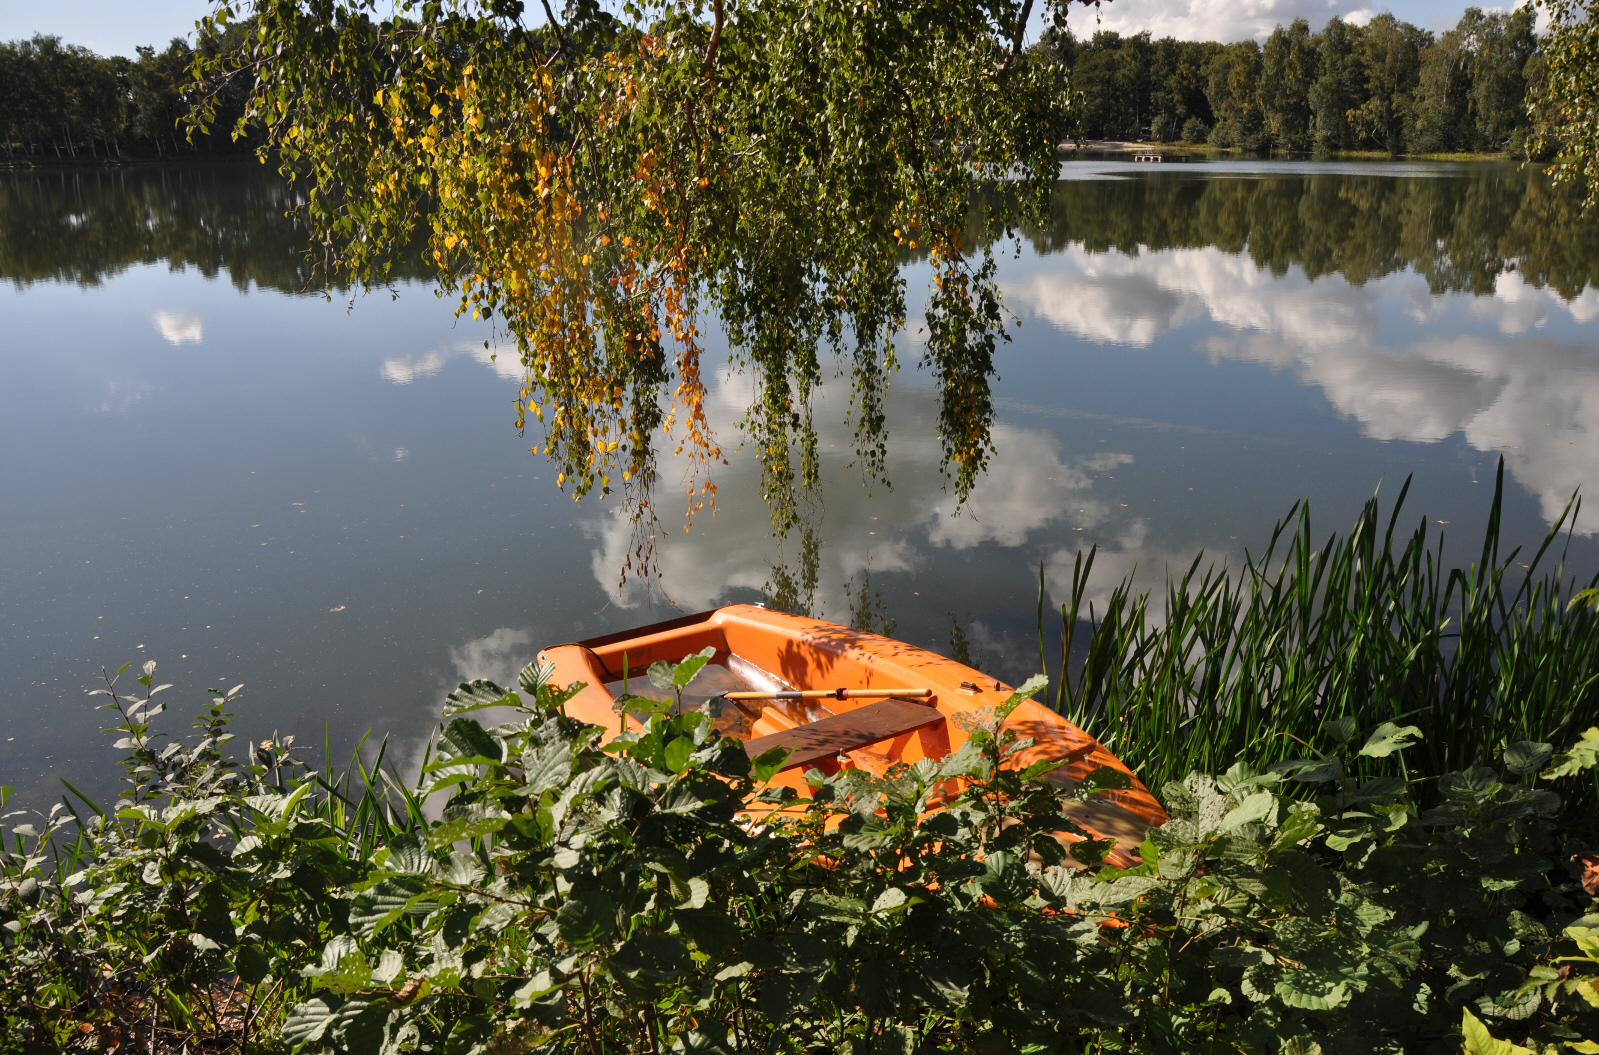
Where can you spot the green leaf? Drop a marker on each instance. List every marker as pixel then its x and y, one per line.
pixel 1525 757
pixel 693 894
pixel 535 987
pixel 252 964
pixel 710 928
pixel 1583 755
pixel 769 763
pixel 467 822
pixel 949 981
pixel 1341 730
pixel 660 674
pixel 375 909
pixel 1090 852
pixel 642 705
pixel 390 968
pixel 785 996
pixel 1311 990
pixel 343 968
pixel 1301 1045
pixel 677 752
pixel 470 738
pixel 534 677
pixel 1036 683
pixel 547 767
pixel 476 695
pixel 1480 1042
pixel 307 1022
pixel 1261 806
pixel 680 799
pixel 405 854
pixel 1388 738
pixel 586 918
pixel 706 1040
pixel 684 672
pixel 1309 770
pixel 1104 778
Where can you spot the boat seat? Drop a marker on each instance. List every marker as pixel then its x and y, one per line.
pixel 836 734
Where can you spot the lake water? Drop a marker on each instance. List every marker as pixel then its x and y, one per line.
pixel 330 504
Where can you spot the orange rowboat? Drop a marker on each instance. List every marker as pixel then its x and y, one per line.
pixel 840 698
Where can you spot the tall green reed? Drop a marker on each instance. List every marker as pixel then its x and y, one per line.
pixel 1253 664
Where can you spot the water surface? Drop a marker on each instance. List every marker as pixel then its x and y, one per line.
pixel 329 503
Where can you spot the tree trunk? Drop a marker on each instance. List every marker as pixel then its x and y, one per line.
pixel 72 148
pixel 57 146
pixel 117 146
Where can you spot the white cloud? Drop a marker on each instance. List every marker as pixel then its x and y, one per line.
pixel 1115 309
pixel 1224 20
pixel 120 396
pixel 1126 551
pixel 1104 463
pixel 404 369
pixel 1534 399
pixel 1136 299
pixel 1030 485
pixel 177 328
pixel 498 656
pixel 1518 306
pixel 1026 487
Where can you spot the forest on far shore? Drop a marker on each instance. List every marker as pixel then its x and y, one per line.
pixel 1385 86
pixel 63 102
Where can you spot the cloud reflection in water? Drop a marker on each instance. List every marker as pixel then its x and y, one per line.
pixel 1534 398
pixel 1031 484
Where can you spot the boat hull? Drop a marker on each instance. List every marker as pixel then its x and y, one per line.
pixel 796 652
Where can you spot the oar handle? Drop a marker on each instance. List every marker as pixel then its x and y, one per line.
pixel 827 694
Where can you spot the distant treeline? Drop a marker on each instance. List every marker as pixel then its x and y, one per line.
pixel 62 102
pixel 1387 86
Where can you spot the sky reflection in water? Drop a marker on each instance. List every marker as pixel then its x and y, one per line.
pixel 332 506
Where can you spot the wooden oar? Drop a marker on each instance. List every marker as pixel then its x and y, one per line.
pixel 827 694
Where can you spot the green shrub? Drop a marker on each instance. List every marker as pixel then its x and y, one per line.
pixel 574 897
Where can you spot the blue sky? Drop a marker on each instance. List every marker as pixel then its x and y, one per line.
pixel 116 27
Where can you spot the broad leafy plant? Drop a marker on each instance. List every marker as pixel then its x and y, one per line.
pixel 543 889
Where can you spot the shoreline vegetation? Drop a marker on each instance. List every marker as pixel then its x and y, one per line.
pixel 1099 148
pixel 62 104
pixel 1384 89
pixel 1405 859
pixel 1385 86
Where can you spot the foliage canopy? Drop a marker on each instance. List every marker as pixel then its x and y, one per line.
pixel 1566 104
pixel 601 183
